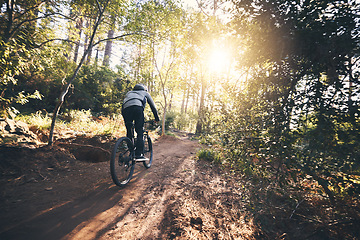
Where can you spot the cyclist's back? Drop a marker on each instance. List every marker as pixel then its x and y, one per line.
pixel 133 111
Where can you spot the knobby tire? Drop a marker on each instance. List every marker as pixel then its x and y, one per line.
pixel 122 161
pixel 148 151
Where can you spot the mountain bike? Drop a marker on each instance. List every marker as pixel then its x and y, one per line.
pixel 122 162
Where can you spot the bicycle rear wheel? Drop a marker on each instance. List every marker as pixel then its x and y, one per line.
pixel 148 151
pixel 122 161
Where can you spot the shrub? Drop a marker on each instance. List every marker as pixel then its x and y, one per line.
pixel 209 155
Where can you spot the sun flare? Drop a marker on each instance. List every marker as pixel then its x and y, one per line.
pixel 219 60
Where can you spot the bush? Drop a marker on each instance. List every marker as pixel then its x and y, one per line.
pixel 209 155
pixel 185 121
pixel 170 120
pixel 40 120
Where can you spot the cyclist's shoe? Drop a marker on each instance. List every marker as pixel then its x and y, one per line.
pixel 141 158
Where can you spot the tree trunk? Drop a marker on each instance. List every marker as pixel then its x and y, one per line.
pixel 88 59
pixel 79 23
pixel 183 102
pixel 96 57
pixel 200 122
pixel 10 21
pixel 164 118
pixel 86 41
pixel 108 48
pixel 351 108
pixel 138 67
pixel 187 99
pixel 171 99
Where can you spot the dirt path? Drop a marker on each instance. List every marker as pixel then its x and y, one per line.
pixel 174 199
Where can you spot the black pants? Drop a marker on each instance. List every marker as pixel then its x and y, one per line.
pixel 135 114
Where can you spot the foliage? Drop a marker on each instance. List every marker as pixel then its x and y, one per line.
pixel 180 121
pixel 209 155
pixel 81 122
pixel 99 89
pixel 185 121
pixel 84 122
pixel 39 119
pixel 20 29
pixel 46 77
pixel 297 116
pixel 169 121
pixel 15 60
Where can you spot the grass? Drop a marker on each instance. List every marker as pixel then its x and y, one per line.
pixel 39 120
pixel 78 121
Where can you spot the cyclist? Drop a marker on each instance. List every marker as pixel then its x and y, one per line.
pixel 133 111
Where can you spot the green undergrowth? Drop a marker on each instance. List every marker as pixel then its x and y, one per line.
pixel 81 122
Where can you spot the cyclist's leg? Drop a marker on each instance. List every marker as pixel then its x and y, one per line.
pixel 139 128
pixel 128 115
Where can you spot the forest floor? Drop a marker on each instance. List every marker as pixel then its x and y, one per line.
pixel 66 192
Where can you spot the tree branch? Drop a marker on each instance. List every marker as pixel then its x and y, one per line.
pixel 98 42
pixel 117 37
pixel 56 39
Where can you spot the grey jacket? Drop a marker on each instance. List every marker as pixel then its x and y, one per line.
pixel 139 98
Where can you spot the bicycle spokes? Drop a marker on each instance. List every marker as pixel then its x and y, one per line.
pixel 148 154
pixel 121 163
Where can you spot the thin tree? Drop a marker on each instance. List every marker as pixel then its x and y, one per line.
pixel 164 78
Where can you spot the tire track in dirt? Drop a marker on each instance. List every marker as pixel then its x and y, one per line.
pixel 146 216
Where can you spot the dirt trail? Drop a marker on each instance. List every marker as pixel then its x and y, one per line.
pixel 171 200
pixel 66 192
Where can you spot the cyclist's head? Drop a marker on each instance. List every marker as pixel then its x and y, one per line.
pixel 140 86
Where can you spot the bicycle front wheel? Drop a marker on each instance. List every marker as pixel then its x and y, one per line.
pixel 148 151
pixel 122 161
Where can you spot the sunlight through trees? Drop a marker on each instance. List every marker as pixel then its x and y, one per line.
pixel 273 86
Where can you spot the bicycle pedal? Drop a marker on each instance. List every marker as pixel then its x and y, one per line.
pixel 141 160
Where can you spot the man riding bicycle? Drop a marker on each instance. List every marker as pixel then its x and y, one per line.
pixel 133 111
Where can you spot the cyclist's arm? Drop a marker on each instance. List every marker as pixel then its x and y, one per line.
pixel 153 108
